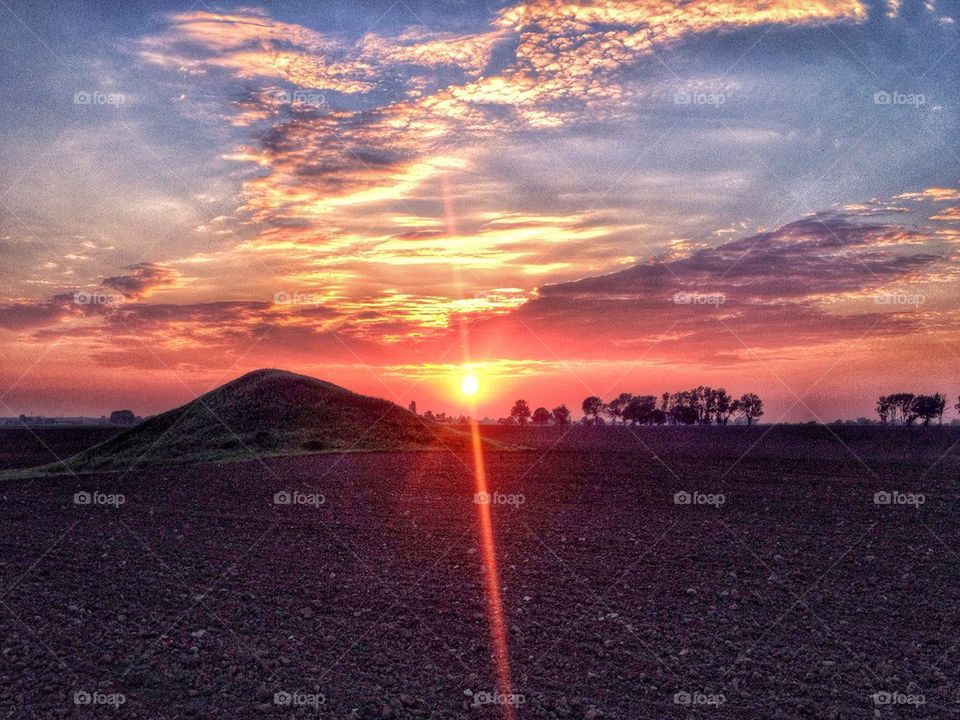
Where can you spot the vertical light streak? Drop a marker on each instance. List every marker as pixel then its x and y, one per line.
pixel 488 544
pixel 498 633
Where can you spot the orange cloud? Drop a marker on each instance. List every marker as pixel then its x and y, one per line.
pixel 251 45
pixel 331 178
pixel 937 194
pixel 950 214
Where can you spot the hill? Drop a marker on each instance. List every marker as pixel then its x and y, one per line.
pixel 264 413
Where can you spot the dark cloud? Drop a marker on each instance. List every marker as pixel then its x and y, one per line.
pixel 810 258
pixel 141 278
pixel 22 316
pixel 770 290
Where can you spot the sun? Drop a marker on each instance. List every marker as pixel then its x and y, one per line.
pixel 469 385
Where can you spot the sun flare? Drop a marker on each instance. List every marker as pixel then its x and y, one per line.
pixel 469 385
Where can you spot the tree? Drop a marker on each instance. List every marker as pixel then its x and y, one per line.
pixel 123 417
pixel 520 412
pixel 412 407
pixel 616 407
pixel 927 407
pixel 684 408
pixel 561 416
pixel 883 409
pixel 704 400
pixel 541 416
pixel 751 406
pixel 592 406
pixel 724 406
pixel 900 405
pixel 640 410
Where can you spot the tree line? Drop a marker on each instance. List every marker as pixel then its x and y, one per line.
pixel 701 406
pixel 907 408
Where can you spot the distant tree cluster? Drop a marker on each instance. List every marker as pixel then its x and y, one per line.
pixel 907 408
pixel 520 415
pixel 440 417
pixel 700 406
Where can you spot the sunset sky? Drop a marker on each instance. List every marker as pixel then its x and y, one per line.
pixel 576 198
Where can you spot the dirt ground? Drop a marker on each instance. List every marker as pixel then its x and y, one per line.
pixel 792 572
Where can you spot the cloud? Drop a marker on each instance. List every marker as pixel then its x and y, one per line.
pixel 951 214
pixel 806 284
pixel 937 194
pixel 810 258
pixel 352 140
pixel 141 334
pixel 432 102
pixel 19 316
pixel 141 279
pixel 251 45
